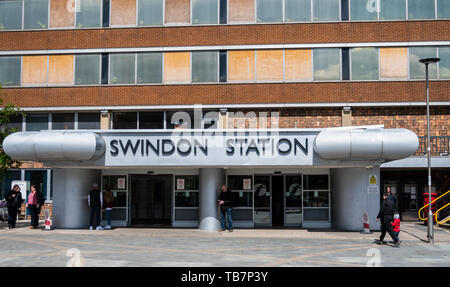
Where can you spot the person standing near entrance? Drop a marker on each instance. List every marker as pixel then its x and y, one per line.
pixel 109 198
pixel 95 201
pixel 386 216
pixel 34 205
pixel 226 208
pixel 14 201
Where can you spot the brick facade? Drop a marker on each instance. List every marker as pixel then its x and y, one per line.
pixel 322 92
pixel 252 34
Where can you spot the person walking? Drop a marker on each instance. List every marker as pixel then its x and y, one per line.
pixel 34 204
pixel 109 199
pixel 95 202
pixel 226 208
pixel 14 201
pixel 386 215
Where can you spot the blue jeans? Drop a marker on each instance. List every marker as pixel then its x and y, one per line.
pixel 396 235
pixel 94 212
pixel 108 216
pixel 226 212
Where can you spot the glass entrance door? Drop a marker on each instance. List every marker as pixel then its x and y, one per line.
pixel 262 201
pixel 410 197
pixel 293 206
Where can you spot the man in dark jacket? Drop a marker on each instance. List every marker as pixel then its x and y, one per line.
pixel 226 207
pixel 386 216
pixel 95 201
pixel 14 200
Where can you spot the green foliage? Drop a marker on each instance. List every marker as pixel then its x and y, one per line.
pixel 6 112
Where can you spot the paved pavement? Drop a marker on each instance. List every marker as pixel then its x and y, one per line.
pixel 243 247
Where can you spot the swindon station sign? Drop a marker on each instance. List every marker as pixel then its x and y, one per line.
pixel 213 149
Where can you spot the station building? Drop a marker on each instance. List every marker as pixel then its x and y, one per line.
pixel 306 109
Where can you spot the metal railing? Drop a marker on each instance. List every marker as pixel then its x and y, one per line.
pixel 443 198
pixel 440 146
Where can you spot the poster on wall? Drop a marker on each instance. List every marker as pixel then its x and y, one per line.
pixel 180 183
pixel 121 183
pixel 247 184
pixel 372 186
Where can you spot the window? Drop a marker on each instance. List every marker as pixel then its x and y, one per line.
pixel 88 121
pixel 36 122
pixel 180 119
pixel 35 14
pixel 236 182
pixel 5 184
pixel 205 12
pixel 420 9
pixel 359 11
pixel 241 11
pixel 444 63
pixel 392 9
pixel 326 64
pixel 10 15
pixel 177 11
pixel 205 67
pixel 124 120
pixel 241 66
pixel 60 69
pixel 34 70
pixel 87 69
pixel 150 12
pixel 186 191
pixel 123 12
pixel 149 68
pixel 10 71
pixel 315 199
pixel 63 121
pixel 315 182
pixel 151 120
pixel 417 69
pixel 297 10
pixel 443 9
pixel 60 14
pixel 298 65
pixel 269 10
pixel 364 63
pixel 122 69
pixel 90 14
pixel 177 67
pixel 15 123
pixel 269 65
pixel 326 10
pixel 393 63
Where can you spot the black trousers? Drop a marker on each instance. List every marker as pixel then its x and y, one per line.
pixel 34 212
pixel 386 226
pixel 12 215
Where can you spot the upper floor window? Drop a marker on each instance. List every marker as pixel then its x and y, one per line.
pixel 87 69
pixel 10 71
pixel 36 122
pixel 36 14
pixel 89 14
pixel 150 12
pixel 392 9
pixel 11 14
pixel 205 12
pixel 364 63
pixel 326 10
pixel 326 64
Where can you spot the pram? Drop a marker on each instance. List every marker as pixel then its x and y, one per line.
pixel 3 211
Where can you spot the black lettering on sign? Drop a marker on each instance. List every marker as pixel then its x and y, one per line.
pixel 129 145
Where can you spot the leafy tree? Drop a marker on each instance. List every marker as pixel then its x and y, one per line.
pixel 6 112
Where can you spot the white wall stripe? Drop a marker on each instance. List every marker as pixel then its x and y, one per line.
pixel 226 47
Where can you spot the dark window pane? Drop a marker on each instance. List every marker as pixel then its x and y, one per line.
pixel 180 119
pixel 5 184
pixel 124 120
pixel 293 191
pixel 10 71
pixel 15 122
pixel 35 14
pixel 10 15
pixel 344 10
pixel 345 64
pixel 315 182
pixel 105 65
pixel 63 121
pixel 223 66
pixel 151 120
pixel 315 199
pixel 38 178
pixel 186 199
pixel 223 11
pixel 105 17
pixel 150 12
pixel 236 182
pixel 36 122
pixel 242 199
pixel 149 68
pixel 87 69
pixel 190 182
pixel 88 121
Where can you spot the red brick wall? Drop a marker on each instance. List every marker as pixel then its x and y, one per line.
pixel 395 31
pixel 331 92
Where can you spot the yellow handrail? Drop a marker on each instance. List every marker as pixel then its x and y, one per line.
pixel 436 214
pixel 423 219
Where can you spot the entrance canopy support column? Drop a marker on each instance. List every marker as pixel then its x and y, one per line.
pixel 211 179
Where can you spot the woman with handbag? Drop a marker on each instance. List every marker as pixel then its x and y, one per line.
pixel 14 200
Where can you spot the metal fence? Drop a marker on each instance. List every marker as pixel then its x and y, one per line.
pixel 440 146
